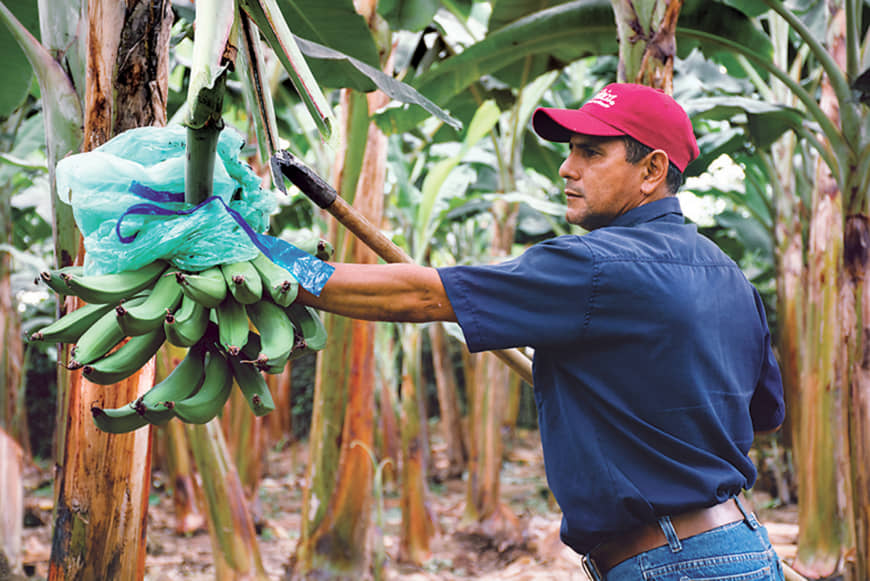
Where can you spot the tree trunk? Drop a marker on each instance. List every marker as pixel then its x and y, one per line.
pixel 12 500
pixel 186 494
pixel 337 503
pixel 235 550
pixel 448 402
pixel 647 43
pixel 102 483
pixel 418 526
pixel 485 513
pixel 823 444
pixel 279 422
pixel 819 445
pixel 13 417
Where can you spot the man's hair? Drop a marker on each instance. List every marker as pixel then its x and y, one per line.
pixel 636 151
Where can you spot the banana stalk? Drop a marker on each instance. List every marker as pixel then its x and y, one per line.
pixel 211 56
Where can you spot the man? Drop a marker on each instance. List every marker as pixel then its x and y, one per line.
pixel 653 363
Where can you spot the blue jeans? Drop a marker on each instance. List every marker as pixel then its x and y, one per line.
pixel 739 551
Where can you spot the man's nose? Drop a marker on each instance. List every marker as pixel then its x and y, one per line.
pixel 568 169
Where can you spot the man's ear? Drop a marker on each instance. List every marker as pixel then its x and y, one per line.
pixel 655 172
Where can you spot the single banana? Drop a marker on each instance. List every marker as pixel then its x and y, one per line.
pixel 276 333
pixel 118 420
pixel 307 322
pixel 318 247
pixel 180 384
pixel 243 281
pixel 111 288
pixel 281 285
pixel 98 339
pixel 126 360
pixel 251 351
pixel 233 326
pixel 70 327
pixel 56 281
pixel 186 326
pixel 150 314
pixel 208 287
pixel 212 395
pixel 253 386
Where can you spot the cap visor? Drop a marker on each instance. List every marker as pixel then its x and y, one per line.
pixel 559 124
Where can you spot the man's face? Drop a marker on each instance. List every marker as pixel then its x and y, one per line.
pixel 599 184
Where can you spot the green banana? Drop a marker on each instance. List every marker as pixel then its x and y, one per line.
pixel 126 360
pixel 209 400
pixel 307 322
pixel 233 326
pixel 243 281
pixel 251 351
pixel 147 316
pixel 98 340
pixel 319 247
pixel 111 288
pixel 187 324
pixel 56 281
pixel 281 285
pixel 208 287
pixel 253 386
pixel 180 384
pixel 70 327
pixel 276 333
pixel 118 420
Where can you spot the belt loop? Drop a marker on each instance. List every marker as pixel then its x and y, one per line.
pixel 748 516
pixel 670 534
pixel 590 568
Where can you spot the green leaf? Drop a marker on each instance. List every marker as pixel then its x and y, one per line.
pixel 765 122
pixel 17 71
pixel 392 87
pixel 413 15
pixel 272 24
pixel 59 99
pixel 337 25
pixel 721 20
pixel 565 33
pixel 483 122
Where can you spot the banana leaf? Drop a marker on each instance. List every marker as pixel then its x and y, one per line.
pixel 565 33
pixel 337 25
pixel 17 71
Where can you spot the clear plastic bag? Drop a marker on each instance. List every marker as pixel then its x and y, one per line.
pixel 146 166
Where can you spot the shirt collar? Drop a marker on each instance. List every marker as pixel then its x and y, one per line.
pixel 665 208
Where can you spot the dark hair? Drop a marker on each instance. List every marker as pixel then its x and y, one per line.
pixel 636 151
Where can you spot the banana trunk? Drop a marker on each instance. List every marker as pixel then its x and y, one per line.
pixel 448 402
pixel 235 552
pixel 418 526
pixel 102 484
pixel 340 471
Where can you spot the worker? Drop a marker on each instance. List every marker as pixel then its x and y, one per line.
pixel 653 365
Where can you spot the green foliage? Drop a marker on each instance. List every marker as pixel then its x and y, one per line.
pixel 17 72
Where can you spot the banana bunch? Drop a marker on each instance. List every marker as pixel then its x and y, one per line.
pixel 236 319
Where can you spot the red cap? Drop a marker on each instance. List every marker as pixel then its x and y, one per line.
pixel 649 115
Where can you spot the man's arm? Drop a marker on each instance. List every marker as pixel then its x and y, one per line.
pixel 383 292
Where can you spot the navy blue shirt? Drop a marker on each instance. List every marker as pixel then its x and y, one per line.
pixel 653 365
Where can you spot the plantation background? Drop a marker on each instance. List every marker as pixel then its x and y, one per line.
pixel 421 454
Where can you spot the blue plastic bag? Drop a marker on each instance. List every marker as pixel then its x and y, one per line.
pixel 128 202
pixel 102 185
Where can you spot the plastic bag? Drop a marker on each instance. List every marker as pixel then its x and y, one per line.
pixel 146 166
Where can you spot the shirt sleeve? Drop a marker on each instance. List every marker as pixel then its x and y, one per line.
pixel 538 298
pixel 767 407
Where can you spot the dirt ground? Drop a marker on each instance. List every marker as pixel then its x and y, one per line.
pixel 534 554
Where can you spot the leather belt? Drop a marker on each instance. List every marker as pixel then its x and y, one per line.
pixel 694 522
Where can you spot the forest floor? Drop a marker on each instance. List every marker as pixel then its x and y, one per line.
pixel 533 553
